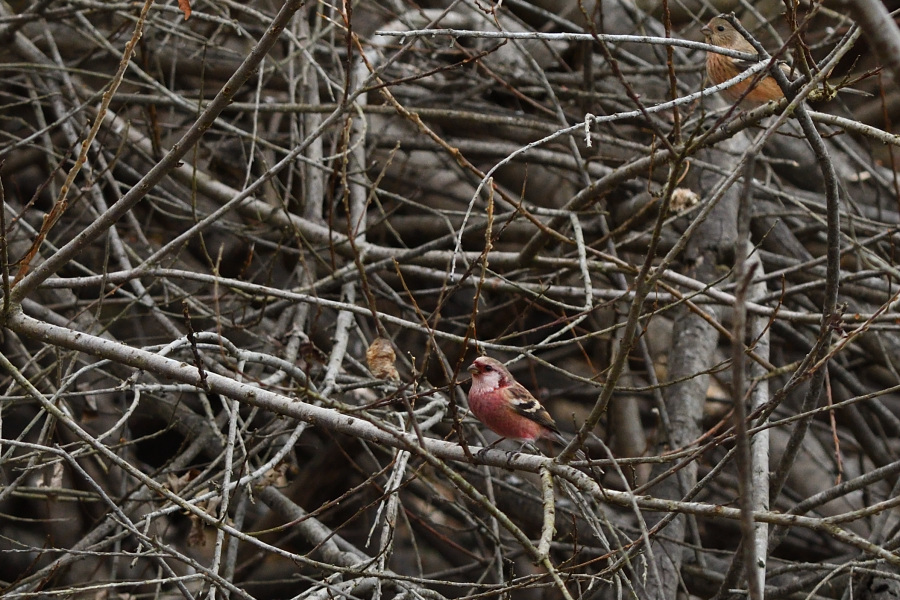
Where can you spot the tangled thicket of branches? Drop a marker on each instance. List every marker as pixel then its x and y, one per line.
pixel 247 256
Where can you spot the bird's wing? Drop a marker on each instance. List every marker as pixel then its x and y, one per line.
pixel 743 65
pixel 526 405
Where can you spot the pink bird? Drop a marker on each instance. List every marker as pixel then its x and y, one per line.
pixel 505 406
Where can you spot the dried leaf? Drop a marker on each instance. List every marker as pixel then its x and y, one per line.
pixel 380 357
pixel 185 6
pixel 197 535
pixel 175 483
pixel 275 477
pixel 683 199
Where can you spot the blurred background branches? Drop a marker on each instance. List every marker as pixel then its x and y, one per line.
pixel 247 254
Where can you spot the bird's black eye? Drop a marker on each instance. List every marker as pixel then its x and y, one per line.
pixel 720 28
pixel 488 368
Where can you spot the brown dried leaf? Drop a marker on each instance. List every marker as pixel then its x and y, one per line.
pixel 380 357
pixel 175 483
pixel 197 535
pixel 683 199
pixel 276 477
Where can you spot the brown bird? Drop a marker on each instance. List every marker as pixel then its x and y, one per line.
pixel 751 92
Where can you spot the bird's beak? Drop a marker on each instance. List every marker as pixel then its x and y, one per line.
pixel 706 31
pixel 472 369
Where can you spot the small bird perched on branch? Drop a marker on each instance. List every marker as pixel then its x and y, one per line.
pixel 505 406
pixel 759 89
pixel 719 32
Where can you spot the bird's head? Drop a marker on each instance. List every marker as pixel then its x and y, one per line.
pixel 720 32
pixel 489 374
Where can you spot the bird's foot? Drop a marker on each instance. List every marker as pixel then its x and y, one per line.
pixel 480 454
pixel 531 447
